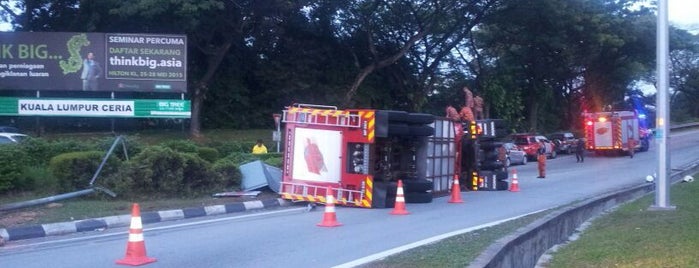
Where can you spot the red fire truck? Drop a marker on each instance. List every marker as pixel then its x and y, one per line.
pixel 362 153
pixel 611 132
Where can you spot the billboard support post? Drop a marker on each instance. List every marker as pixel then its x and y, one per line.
pixel 277 135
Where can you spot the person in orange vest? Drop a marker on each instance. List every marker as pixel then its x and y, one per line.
pixel 452 113
pixel 541 159
pixel 467 114
pixel 478 106
pixel 632 147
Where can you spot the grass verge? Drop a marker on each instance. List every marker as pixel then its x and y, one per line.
pixel 95 207
pixel 456 251
pixel 633 236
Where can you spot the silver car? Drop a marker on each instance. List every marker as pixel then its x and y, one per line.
pixel 11 137
pixel 515 156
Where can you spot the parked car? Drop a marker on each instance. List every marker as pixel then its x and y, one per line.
pixel 515 155
pixel 565 142
pixel 529 143
pixel 6 138
pixel 8 129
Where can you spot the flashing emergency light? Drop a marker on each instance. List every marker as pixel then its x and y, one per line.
pixel 642 116
pixel 602 119
pixel 589 123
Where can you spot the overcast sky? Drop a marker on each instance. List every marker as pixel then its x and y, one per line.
pixel 683 11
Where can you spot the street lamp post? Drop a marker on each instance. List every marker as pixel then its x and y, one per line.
pixel 662 194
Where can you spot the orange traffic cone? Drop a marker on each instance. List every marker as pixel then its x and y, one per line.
pixel 329 217
pixel 399 207
pixel 514 184
pixel 456 191
pixel 136 247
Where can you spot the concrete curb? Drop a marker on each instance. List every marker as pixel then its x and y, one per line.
pixel 61 228
pixel 525 246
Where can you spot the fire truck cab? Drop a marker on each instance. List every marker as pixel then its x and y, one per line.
pixel 615 132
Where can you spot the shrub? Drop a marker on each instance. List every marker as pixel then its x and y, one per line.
pixel 207 153
pixel 133 146
pixel 229 172
pixel 229 147
pixel 162 171
pixel 12 170
pixel 75 170
pixel 184 146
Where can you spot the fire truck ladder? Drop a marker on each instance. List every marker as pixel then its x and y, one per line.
pixel 316 194
pixel 322 115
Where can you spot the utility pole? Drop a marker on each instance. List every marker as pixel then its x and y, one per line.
pixel 662 193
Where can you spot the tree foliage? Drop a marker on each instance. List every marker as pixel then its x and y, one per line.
pixel 538 63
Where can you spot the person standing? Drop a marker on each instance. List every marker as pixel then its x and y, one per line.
pixel 632 147
pixel 91 72
pixel 259 148
pixel 580 150
pixel 541 159
pixel 478 107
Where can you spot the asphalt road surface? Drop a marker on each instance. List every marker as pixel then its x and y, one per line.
pixel 290 237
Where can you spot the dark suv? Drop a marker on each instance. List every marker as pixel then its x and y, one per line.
pixel 565 141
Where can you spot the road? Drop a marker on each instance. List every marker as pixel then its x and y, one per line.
pixel 290 237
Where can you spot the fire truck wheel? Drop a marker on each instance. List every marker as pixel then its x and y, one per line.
pixel 421 131
pixel 645 145
pixel 417 186
pixel 491 145
pixel 501 175
pixel 397 116
pixel 391 188
pixel 420 118
pixel 491 165
pixel 501 185
pixel 391 201
pixel 423 197
pixel 398 129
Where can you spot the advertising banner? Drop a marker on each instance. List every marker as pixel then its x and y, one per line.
pixel 95 108
pixel 93 62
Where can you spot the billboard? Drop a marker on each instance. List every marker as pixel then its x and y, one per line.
pixel 150 108
pixel 93 62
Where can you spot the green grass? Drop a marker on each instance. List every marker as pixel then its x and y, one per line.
pixel 98 205
pixel 633 236
pixel 456 251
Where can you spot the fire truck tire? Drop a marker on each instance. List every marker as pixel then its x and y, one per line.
pixel 417 186
pixel 501 175
pixel 397 116
pixel 492 165
pixel 645 145
pixel 421 131
pixel 423 197
pixel 490 155
pixel 420 118
pixel 501 185
pixel 398 129
pixel 491 145
pixel 391 201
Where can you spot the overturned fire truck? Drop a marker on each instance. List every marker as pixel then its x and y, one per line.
pixel 362 153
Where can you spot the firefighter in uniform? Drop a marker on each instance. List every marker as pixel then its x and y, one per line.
pixel 632 147
pixel 541 159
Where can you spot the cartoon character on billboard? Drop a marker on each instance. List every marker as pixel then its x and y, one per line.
pixel 313 157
